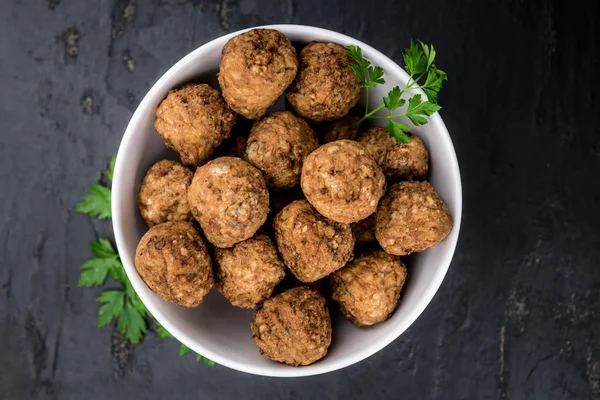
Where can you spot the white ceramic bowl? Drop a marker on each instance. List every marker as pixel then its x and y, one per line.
pixel 220 331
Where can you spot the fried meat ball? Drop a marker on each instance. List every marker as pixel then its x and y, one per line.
pixel 173 260
pixel 311 245
pixel 247 273
pixel 278 145
pixel 342 129
pixel 411 218
pixel 326 88
pixel 256 68
pixel 229 198
pixel 163 194
pixel 342 181
pixel 293 327
pixel 364 231
pixel 194 121
pixel 368 288
pixel 399 161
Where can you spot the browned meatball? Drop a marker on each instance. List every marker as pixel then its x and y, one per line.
pixel 368 288
pixel 163 194
pixel 173 260
pixel 311 245
pixel 342 181
pixel 326 87
pixel 256 68
pixel 248 272
pixel 293 327
pixel 278 145
pixel 344 128
pixel 364 231
pixel 411 218
pixel 229 198
pixel 194 121
pixel 399 161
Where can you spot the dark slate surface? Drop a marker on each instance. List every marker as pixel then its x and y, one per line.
pixel 516 317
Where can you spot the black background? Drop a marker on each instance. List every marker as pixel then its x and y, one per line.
pixel 517 315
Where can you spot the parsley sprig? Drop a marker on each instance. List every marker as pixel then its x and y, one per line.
pixel 419 62
pixel 121 305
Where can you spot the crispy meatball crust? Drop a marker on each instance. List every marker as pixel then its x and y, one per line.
pixel 311 245
pixel 173 260
pixel 256 68
pixel 247 273
pixel 411 218
pixel 342 129
pixel 368 288
pixel 293 327
pixel 364 231
pixel 278 145
pixel 163 194
pixel 229 198
pixel 399 161
pixel 326 87
pixel 342 181
pixel 194 121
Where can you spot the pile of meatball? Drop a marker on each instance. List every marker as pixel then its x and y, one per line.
pixel 331 213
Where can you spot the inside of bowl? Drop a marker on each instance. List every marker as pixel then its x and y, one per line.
pixel 222 332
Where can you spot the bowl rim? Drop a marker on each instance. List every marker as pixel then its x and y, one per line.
pixel 317 368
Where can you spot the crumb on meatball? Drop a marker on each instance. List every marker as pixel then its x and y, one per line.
pixel 411 218
pixel 256 68
pixel 326 88
pixel 194 121
pixel 399 161
pixel 278 145
pixel 163 193
pixel 293 327
pixel 229 199
pixel 173 260
pixel 368 288
pixel 247 273
pixel 311 245
pixel 364 231
pixel 342 181
pixel 344 128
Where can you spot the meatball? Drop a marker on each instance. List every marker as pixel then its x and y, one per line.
pixel 368 288
pixel 311 245
pixel 278 145
pixel 163 194
pixel 248 272
pixel 229 198
pixel 344 128
pixel 399 161
pixel 173 260
pixel 194 121
pixel 326 87
pixel 342 181
pixel 256 68
pixel 364 231
pixel 411 218
pixel 293 327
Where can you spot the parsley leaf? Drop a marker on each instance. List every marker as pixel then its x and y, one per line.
pixel 103 249
pixel 183 349
pixel 398 131
pixel 163 333
pixel 415 60
pixel 206 361
pixel 429 53
pixel 131 324
pixel 375 76
pixel 96 203
pixel 106 263
pixel 111 168
pixel 112 306
pixel 393 99
pixel 416 108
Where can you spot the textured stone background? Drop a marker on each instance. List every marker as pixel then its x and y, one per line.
pixel 516 317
